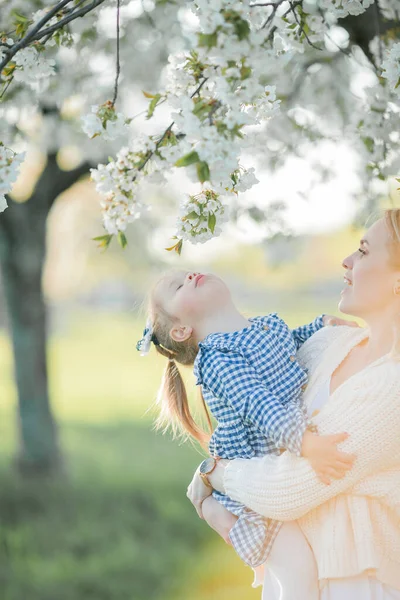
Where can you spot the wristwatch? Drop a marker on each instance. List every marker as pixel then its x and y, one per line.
pixel 207 467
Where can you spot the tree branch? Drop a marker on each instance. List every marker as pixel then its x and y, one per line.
pixel 12 51
pixel 36 34
pixel 53 181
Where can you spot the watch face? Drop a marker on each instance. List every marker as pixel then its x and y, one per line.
pixel 207 465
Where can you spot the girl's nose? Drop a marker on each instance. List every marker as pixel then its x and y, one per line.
pixel 191 276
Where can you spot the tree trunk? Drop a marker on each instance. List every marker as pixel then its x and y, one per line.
pixel 22 255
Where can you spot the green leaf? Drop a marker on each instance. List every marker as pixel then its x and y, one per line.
pixel 212 221
pixel 152 106
pixel 369 143
pixel 147 95
pixel 21 23
pixel 177 247
pixel 188 159
pixel 19 17
pixel 242 29
pixel 203 171
pixel 191 216
pixel 199 106
pixel 123 242
pixel 104 240
pixel 208 40
pixel 397 84
pixel 245 72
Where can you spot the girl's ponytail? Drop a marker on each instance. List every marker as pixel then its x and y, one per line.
pixel 172 400
pixel 174 406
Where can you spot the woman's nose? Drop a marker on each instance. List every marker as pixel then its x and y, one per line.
pixel 348 262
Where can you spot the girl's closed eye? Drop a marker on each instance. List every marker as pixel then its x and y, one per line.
pixel 361 251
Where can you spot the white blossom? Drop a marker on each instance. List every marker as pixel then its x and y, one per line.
pixel 9 169
pixel 105 122
pixel 33 69
pixel 391 68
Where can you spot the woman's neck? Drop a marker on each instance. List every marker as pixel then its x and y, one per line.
pixel 381 335
pixel 225 320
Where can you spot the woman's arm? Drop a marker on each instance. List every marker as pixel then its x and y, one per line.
pixel 286 487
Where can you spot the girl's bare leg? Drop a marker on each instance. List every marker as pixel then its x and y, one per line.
pixel 218 517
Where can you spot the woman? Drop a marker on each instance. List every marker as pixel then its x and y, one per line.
pixel 353 524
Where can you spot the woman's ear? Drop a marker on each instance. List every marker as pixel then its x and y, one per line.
pixel 181 333
pixel 396 287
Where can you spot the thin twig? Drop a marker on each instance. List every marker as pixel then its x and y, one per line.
pixel 6 87
pixel 118 66
pixel 379 33
pixel 273 4
pixel 168 129
pixel 302 28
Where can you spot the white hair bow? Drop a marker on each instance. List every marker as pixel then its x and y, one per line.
pixel 143 345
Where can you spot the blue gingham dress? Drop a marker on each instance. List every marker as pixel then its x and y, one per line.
pixel 252 384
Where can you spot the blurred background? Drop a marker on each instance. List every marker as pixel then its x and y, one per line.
pixel 92 501
pixel 115 522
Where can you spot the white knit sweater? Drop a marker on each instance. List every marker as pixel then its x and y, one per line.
pixel 353 524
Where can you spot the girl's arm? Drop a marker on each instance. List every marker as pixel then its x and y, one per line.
pixel 286 487
pixel 304 332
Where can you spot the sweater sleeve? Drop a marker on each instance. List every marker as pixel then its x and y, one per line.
pixel 286 487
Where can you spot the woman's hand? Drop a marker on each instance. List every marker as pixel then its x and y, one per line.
pixel 197 492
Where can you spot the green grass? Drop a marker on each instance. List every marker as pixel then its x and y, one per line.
pixel 118 526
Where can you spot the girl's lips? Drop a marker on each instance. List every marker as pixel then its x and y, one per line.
pixel 199 278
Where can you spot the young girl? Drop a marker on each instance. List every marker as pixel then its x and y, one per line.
pixel 252 385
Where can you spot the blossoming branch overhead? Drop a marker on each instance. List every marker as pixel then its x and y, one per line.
pixel 231 91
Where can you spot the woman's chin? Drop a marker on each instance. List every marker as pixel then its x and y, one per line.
pixel 344 306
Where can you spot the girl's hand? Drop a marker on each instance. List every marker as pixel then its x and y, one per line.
pixel 197 492
pixel 218 517
pixel 327 461
pixel 332 321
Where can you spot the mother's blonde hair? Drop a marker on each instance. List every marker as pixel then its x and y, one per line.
pixel 392 219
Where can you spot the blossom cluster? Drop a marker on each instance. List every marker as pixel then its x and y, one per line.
pixel 216 92
pixel 201 217
pixel 344 8
pixel 32 68
pixel 231 92
pixel 118 183
pixel 10 162
pixel 105 122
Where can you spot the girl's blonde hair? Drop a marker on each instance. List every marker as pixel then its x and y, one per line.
pixel 392 218
pixel 172 398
